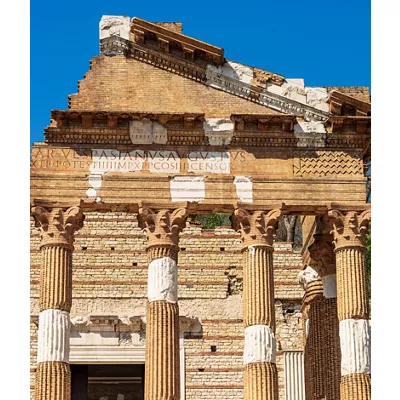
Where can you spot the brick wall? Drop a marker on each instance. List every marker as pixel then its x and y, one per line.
pixel 110 277
pixel 118 83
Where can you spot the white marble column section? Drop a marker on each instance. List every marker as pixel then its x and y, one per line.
pixel 53 336
pixel 163 280
pixel 259 344
pixel 329 286
pixel 355 345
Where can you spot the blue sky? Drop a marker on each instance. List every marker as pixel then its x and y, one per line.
pixel 326 43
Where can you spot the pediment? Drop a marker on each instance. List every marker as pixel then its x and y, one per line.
pixel 193 59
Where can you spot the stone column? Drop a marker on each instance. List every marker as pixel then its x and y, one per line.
pixel 349 230
pixel 321 252
pixel 257 231
pixel 313 314
pixel 162 370
pixel 57 228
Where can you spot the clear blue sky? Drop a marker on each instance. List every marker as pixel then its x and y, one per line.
pixel 326 43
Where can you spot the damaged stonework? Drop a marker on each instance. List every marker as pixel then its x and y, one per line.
pixel 111 160
pixel 234 70
pixel 294 89
pixel 187 188
pixel 147 132
pixel 113 25
pixel 317 97
pixel 218 130
pixel 53 324
pixel 259 344
pixel 163 280
pixel 310 134
pixel 307 276
pixel 355 346
pixel 244 188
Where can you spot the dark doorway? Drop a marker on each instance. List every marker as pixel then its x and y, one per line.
pixel 107 382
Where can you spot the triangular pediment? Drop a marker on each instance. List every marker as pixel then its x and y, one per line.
pixel 164 47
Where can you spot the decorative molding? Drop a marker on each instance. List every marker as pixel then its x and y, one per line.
pixel 213 53
pixel 218 130
pixel 57 226
pixel 257 228
pixel 327 163
pixel 107 354
pixel 310 134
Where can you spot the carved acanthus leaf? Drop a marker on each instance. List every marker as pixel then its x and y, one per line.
pixel 257 228
pixel 162 227
pixel 57 226
pixel 349 229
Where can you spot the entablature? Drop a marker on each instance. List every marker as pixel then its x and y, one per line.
pixel 188 129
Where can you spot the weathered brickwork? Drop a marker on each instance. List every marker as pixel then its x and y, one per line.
pixel 110 278
pixel 120 80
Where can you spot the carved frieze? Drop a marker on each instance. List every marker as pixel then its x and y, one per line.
pixel 327 163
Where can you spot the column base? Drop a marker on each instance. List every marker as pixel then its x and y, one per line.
pixel 53 381
pixel 260 381
pixel 355 387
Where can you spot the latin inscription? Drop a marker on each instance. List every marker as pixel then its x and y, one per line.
pixel 100 161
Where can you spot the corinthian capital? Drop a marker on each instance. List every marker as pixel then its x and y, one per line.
pixel 321 251
pixel 257 228
pixel 57 226
pixel 349 229
pixel 163 226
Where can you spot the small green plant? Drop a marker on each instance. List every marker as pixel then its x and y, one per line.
pixel 210 221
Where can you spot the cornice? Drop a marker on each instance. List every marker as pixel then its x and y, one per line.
pixel 187 129
pixel 164 36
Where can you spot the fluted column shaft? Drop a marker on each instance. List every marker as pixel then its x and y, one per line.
pixel 313 313
pixel 57 227
pixel 162 369
pixel 321 252
pixel 349 230
pixel 260 373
